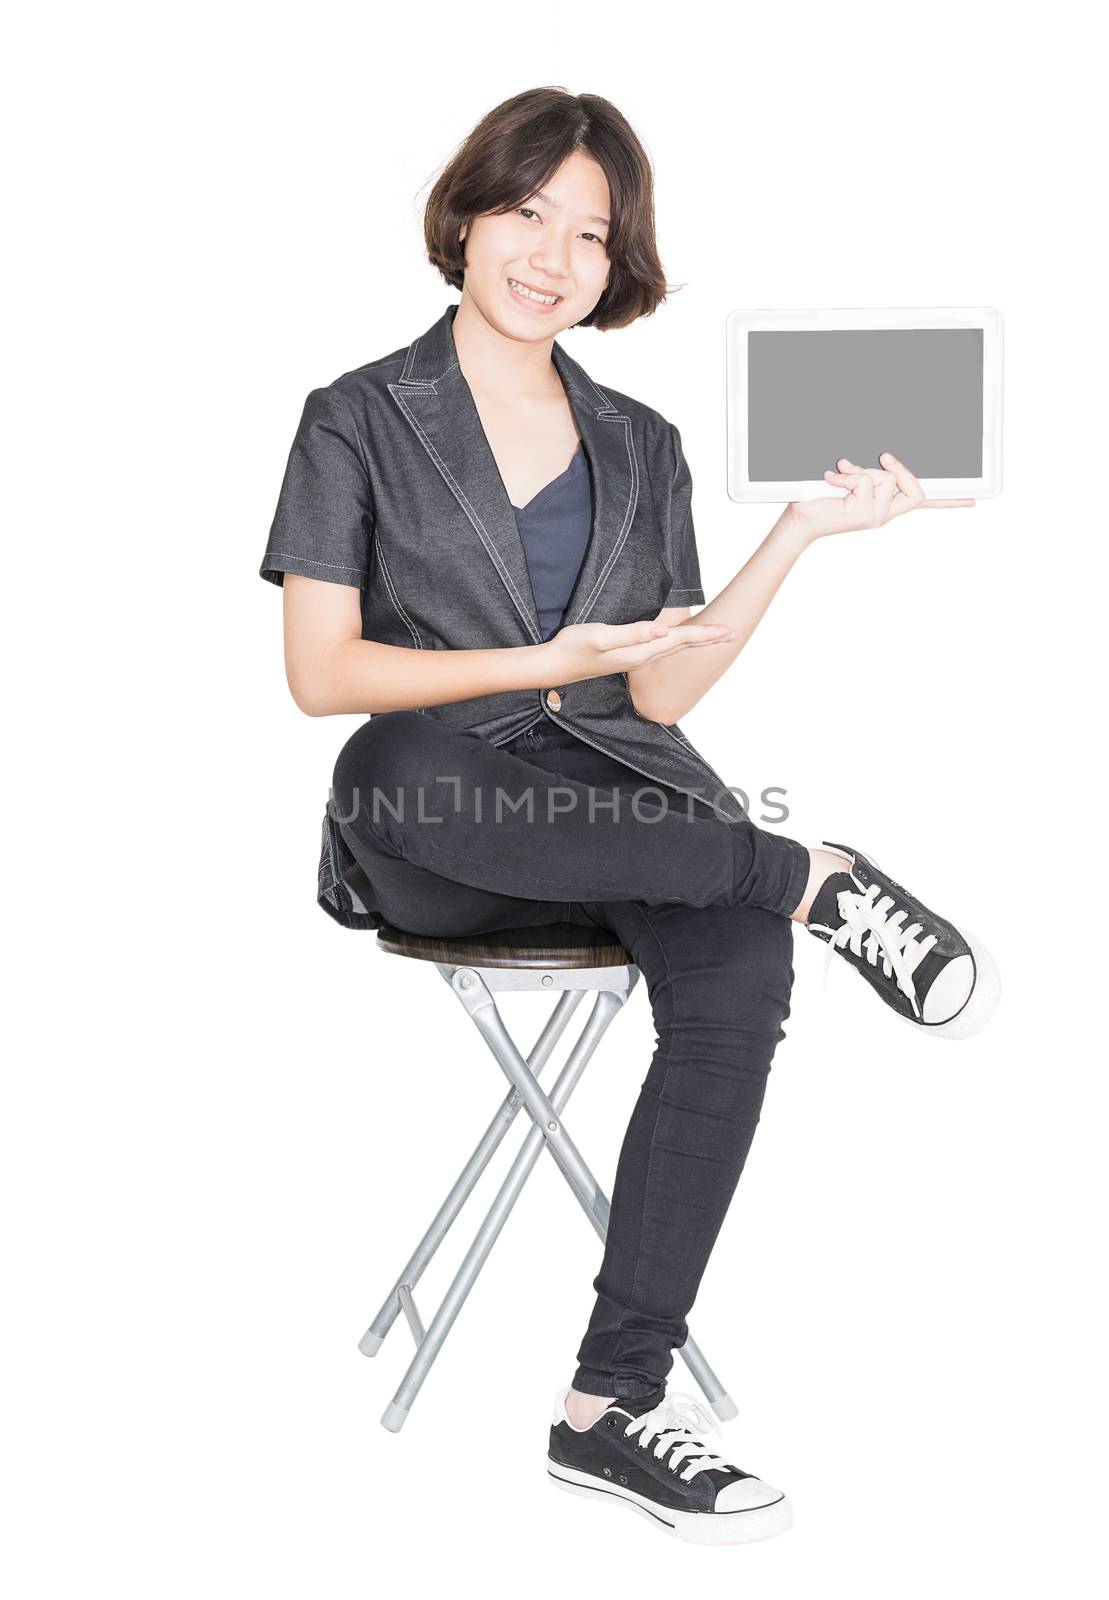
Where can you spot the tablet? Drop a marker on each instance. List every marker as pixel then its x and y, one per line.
pixel 806 387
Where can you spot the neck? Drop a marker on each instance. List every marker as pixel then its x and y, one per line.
pixel 498 367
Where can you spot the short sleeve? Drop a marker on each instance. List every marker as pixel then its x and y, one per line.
pixel 681 552
pixel 323 525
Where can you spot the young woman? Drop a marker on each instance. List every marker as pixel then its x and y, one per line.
pixel 494 557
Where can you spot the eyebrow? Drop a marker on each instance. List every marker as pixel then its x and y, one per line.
pixel 539 195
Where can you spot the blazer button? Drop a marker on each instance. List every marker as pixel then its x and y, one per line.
pixel 554 699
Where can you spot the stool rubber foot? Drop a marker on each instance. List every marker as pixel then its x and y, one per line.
pixel 394 1417
pixel 725 1408
pixel 370 1343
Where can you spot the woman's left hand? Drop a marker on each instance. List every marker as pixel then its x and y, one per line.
pixel 874 496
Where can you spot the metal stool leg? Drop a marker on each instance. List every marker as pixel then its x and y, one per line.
pixel 400 1295
pixel 429 1343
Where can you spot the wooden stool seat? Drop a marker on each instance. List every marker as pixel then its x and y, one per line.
pixel 556 945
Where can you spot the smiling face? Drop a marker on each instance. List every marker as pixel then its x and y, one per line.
pixel 552 244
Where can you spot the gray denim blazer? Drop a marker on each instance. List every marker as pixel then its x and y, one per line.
pixel 391 487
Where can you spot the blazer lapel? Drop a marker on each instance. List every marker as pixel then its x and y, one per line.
pixel 434 396
pixel 607 437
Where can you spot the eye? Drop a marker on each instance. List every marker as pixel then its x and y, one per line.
pixel 526 211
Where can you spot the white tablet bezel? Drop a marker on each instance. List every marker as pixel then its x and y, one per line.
pixel 739 323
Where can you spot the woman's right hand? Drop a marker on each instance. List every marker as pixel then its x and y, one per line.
pixel 596 649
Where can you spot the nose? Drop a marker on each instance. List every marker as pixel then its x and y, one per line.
pixel 553 259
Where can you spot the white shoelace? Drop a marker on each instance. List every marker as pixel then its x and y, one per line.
pixel 677 1421
pixel 902 949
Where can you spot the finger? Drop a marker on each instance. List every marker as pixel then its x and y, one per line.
pixel 857 480
pixel 861 485
pixel 639 655
pixel 620 635
pixel 679 633
pixel 703 632
pixel 851 467
pixel 931 505
pixel 876 474
pixel 682 640
pixel 907 482
pixel 685 636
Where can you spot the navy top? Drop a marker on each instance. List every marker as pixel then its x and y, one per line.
pixel 555 526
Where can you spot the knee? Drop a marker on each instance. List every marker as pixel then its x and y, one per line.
pixel 761 958
pixel 743 992
pixel 761 966
pixel 380 753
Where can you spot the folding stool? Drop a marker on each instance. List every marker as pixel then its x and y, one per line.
pixel 558 958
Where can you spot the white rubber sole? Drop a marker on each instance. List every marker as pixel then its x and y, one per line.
pixel 695 1527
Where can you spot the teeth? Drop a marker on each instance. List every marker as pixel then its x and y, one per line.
pixel 544 299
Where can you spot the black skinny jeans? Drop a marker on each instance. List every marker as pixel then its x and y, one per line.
pixel 701 905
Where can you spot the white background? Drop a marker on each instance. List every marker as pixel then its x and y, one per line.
pixel 227 1119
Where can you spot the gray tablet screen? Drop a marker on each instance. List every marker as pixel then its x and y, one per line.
pixel 813 396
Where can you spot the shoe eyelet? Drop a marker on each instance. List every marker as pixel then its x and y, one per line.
pixel 623 1480
pixel 607 1471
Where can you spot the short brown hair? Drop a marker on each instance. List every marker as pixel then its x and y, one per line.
pixel 514 150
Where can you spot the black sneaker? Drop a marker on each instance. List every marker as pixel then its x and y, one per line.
pixel 648 1454
pixel 939 977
